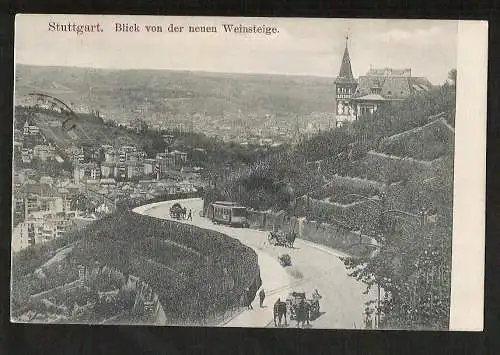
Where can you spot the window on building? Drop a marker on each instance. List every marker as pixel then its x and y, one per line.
pixel 364 110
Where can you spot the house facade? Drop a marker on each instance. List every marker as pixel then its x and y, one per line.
pixel 362 97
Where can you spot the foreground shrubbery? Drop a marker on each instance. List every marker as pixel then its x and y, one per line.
pixel 196 273
pixel 414 270
pixel 189 280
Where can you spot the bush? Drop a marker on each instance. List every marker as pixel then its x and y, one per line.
pixel 188 277
pixel 411 113
pixel 428 143
pixel 341 188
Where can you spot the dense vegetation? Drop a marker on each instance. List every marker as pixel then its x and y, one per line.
pixel 344 193
pixel 185 265
pixel 427 143
pixel 413 263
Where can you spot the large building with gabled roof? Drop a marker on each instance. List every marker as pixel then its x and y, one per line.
pixel 356 98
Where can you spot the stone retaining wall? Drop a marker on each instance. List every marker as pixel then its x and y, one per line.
pixel 331 235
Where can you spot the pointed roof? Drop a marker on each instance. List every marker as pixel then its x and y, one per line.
pixel 345 74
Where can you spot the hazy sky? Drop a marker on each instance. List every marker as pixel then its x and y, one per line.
pixel 302 46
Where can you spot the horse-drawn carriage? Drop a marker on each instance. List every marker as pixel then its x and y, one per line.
pixel 177 211
pixel 293 302
pixel 314 307
pixel 301 308
pixel 282 239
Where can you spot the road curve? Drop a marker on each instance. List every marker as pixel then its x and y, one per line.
pixel 313 267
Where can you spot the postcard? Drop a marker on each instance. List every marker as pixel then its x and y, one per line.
pixel 249 172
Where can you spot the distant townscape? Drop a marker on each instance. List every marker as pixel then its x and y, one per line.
pixel 60 194
pixel 186 198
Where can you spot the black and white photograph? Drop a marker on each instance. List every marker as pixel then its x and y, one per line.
pixel 245 172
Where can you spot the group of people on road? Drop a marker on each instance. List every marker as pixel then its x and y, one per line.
pixel 302 308
pixel 179 212
pixel 301 312
pixel 248 298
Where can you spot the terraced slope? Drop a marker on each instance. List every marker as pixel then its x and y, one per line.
pixel 396 167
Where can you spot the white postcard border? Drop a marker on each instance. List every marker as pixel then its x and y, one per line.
pixel 467 278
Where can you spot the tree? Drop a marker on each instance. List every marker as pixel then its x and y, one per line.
pixel 81 203
pixel 413 268
pixel 412 260
pixel 452 76
pixel 412 263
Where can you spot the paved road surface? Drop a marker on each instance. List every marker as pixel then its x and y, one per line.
pixel 313 267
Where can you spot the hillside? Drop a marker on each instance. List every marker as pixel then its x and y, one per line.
pixel 388 178
pixel 169 95
pixel 404 142
pixel 89 130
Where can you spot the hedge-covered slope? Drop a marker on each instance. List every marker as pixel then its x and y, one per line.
pixel 427 142
pixel 190 278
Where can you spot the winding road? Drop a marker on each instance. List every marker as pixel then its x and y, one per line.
pixel 313 267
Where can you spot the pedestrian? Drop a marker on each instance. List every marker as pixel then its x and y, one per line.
pixel 246 299
pixel 262 295
pixel 190 217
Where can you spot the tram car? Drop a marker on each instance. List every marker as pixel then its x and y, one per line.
pixel 230 213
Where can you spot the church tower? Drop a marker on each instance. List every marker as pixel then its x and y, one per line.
pixel 345 87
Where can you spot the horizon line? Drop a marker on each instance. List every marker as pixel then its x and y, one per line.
pixel 176 70
pixel 302 75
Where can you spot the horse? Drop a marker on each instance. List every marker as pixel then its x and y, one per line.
pixel 279 310
pixel 302 313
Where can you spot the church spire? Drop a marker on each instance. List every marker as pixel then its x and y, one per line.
pixel 345 73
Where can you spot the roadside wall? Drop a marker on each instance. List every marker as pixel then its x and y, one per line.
pixel 331 235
